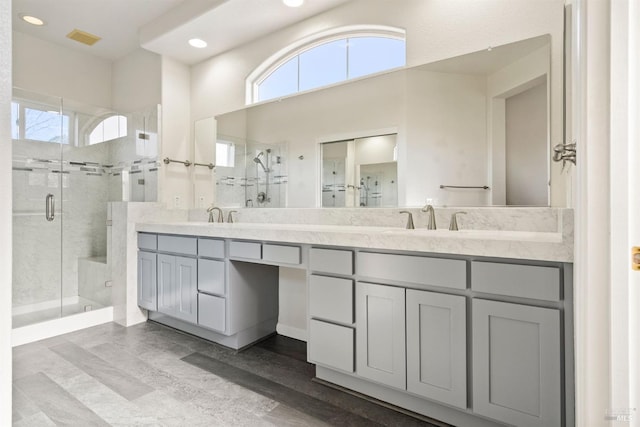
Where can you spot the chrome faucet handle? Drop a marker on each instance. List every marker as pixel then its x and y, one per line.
pixel 453 224
pixel 410 225
pixel 230 216
pixel 431 225
pixel 215 208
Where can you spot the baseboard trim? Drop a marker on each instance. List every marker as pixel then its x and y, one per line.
pixel 292 332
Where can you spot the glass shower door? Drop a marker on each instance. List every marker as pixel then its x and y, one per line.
pixel 39 131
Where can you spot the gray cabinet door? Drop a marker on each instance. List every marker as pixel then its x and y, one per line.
pixel 178 287
pixel 437 347
pixel 147 290
pixel 516 363
pixel 380 334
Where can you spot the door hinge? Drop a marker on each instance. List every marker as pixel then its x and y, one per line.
pixel 635 258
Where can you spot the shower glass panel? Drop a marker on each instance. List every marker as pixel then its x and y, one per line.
pixel 69 161
pixel 40 130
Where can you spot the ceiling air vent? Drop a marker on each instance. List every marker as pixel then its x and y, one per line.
pixel 83 37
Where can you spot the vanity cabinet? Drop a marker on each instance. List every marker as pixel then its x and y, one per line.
pixel 178 287
pixel 190 283
pixel 147 271
pixel 485 336
pixel 380 337
pixel 147 289
pixel 516 363
pixel 331 330
pixel 269 253
pixel 437 346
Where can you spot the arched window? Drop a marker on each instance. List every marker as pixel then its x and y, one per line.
pixel 110 128
pixel 324 59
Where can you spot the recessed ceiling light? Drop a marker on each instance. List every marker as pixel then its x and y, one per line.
pixel 198 43
pixel 31 20
pixel 293 3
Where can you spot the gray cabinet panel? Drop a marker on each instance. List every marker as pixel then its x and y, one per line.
pixel 527 281
pixel 331 298
pixel 178 244
pixel 212 312
pixel 437 347
pixel 166 284
pixel 211 248
pixel 331 261
pixel 249 250
pixel 331 345
pixel 178 287
pixel 147 241
pixel 516 363
pixel 187 289
pixel 449 273
pixel 380 338
pixel 147 289
pixel 211 277
pixel 281 254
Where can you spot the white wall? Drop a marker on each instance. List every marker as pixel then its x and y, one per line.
pixel 175 188
pixel 515 78
pixel 446 140
pixel 136 81
pixel 592 280
pixel 527 154
pixel 51 69
pixel 5 214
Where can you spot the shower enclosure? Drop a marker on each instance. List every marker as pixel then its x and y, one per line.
pixel 69 161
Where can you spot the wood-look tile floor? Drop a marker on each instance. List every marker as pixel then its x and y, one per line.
pixel 151 375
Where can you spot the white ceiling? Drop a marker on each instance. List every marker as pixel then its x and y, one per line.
pixel 162 26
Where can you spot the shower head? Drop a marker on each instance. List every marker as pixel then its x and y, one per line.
pixel 258 160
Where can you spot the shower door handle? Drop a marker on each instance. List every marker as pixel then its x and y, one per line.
pixel 50 207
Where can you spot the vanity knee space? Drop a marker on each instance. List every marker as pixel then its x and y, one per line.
pixel 445 329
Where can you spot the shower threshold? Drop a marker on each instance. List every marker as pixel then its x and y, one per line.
pixel 79 314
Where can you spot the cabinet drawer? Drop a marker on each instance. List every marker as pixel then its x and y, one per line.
pixel 331 261
pixel 211 278
pixel 331 345
pixel 331 298
pixel 448 273
pixel 178 244
pixel 526 281
pixel 281 253
pixel 212 312
pixel 211 248
pixel 250 250
pixel 147 241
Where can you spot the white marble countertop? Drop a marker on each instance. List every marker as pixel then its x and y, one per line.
pixel 531 245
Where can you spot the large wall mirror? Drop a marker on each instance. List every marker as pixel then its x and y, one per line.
pixel 472 130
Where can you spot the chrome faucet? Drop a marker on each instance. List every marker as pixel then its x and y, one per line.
pixel 215 208
pixel 410 225
pixel 453 224
pixel 230 216
pixel 431 224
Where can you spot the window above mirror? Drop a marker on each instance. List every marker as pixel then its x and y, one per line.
pixel 328 58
